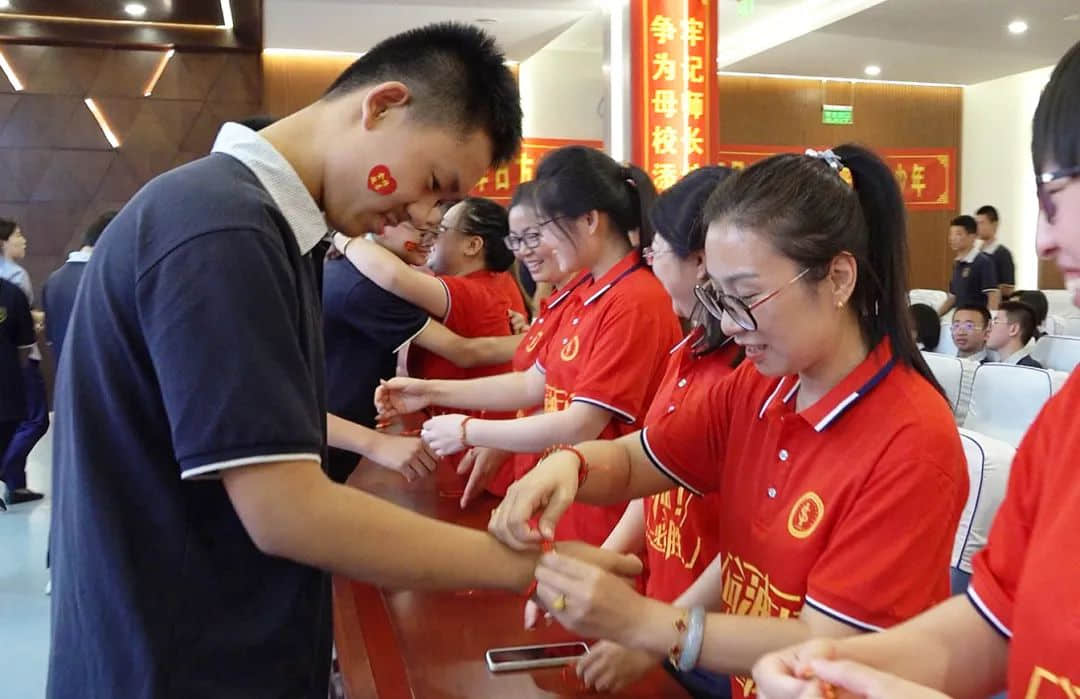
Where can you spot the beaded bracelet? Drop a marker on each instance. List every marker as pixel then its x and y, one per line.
pixel 583 465
pixel 464 440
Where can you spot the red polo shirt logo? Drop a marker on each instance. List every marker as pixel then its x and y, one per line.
pixel 570 350
pixel 806 514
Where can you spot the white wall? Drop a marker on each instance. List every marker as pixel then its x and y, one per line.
pixel 996 162
pixel 562 94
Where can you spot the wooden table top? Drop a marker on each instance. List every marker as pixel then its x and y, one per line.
pixel 405 644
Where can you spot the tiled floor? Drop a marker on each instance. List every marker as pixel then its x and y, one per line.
pixel 24 608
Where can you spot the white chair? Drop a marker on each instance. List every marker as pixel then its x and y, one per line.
pixel 1060 303
pixel 1068 326
pixel 988 463
pixel 1005 399
pixel 1057 378
pixel 1057 352
pixel 949 372
pixel 945 343
pixel 933 298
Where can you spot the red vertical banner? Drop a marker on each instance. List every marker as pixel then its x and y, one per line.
pixel 673 65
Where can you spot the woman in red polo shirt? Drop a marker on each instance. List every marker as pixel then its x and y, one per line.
pixel 1018 627
pixel 601 366
pixel 839 470
pixel 468 293
pixel 676 529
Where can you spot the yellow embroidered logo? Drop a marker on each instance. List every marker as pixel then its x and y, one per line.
pixel 555 399
pixel 534 341
pixel 570 349
pixel 1046 684
pixel 806 514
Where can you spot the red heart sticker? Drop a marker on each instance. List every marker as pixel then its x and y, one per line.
pixel 380 180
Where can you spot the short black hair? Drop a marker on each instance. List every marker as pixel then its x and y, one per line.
pixel 7 228
pixel 967 223
pixel 95 229
pixel 981 310
pixel 1055 135
pixel 1023 314
pixel 456 75
pixel 989 212
pixel 927 325
pixel 677 214
pixel 257 122
pixel 1036 301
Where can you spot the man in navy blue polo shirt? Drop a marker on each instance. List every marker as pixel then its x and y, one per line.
pixel 58 295
pixel 16 339
pixel 193 518
pixel 987 219
pixel 974 278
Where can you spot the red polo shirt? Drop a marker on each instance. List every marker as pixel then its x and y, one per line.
pixel 477 305
pixel 681 528
pixel 1025 581
pixel 610 352
pixel 849 507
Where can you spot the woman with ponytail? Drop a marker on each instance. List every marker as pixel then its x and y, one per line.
pixel 838 469
pixel 1016 627
pixel 601 365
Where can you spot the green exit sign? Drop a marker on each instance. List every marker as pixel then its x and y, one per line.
pixel 837 114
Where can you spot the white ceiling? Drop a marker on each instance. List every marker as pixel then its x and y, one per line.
pixel 521 28
pixel 943 41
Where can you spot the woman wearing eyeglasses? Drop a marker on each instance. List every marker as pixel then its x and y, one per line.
pixel 1017 627
pixel 600 367
pixel 466 292
pixel 833 453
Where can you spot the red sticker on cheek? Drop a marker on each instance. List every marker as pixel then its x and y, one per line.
pixel 410 246
pixel 380 180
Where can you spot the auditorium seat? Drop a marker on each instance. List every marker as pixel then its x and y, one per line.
pixel 934 298
pixel 1005 399
pixel 1057 352
pixel 949 373
pixel 1060 303
pixel 988 462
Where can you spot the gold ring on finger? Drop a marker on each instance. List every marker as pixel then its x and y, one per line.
pixel 559 604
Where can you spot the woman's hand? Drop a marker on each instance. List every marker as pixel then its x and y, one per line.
pixel 549 489
pixel 481 463
pixel 401 396
pixel 444 434
pixel 609 667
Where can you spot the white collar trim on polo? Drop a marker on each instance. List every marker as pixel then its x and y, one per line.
pixel 280 180
pixel 79 256
pixel 970 257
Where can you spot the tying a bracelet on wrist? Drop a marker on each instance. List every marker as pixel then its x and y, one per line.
pixel 583 465
pixel 686 651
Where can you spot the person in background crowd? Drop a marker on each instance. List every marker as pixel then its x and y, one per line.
pixel 927 326
pixel 1037 302
pixel 974 278
pixel 35 422
pixel 1011 330
pixel 970 328
pixel 1016 628
pixel 986 219
pixel 58 294
pixel 16 339
pixel 807 261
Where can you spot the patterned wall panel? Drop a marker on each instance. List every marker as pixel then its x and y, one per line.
pixel 57 170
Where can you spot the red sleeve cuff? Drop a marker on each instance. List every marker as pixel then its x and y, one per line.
pixel 661 461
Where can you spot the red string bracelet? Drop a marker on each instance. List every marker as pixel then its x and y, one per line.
pixel 545 547
pixel 583 464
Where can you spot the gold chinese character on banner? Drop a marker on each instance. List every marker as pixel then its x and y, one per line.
pixel 694 104
pixel 662 29
pixel 694 66
pixel 482 183
pixel 502 178
pixel 664 175
pixel 901 177
pixel 695 141
pixel 665 140
pixel 918 179
pixel 526 163
pixel 665 102
pixel 693 31
pixel 665 66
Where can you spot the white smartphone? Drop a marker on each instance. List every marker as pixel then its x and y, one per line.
pixel 529 657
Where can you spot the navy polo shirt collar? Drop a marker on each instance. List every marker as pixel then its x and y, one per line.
pixel 970 257
pixel 280 180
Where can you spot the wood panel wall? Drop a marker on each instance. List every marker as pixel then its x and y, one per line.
pixel 58 172
pixel 780 111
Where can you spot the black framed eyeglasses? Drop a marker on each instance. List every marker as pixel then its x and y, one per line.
pixel 1046 200
pixel 717 303
pixel 529 237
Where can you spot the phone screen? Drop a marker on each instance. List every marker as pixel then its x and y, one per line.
pixel 559 651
